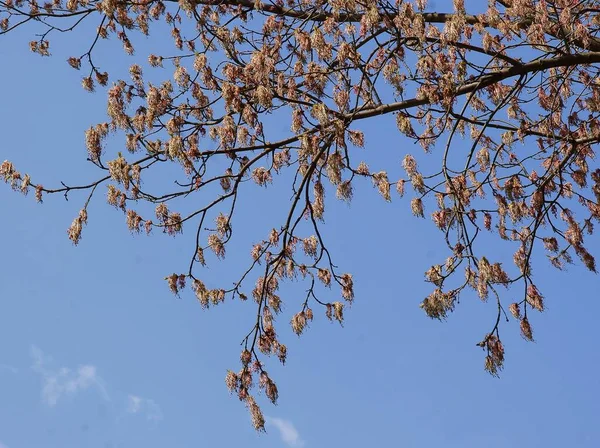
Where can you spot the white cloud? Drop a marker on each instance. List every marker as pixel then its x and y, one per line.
pixel 288 432
pixel 3 445
pixel 8 368
pixel 64 381
pixel 134 404
pixel 146 406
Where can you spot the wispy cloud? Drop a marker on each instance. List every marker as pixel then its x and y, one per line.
pixel 288 432
pixel 8 368
pixel 145 406
pixel 3 445
pixel 57 382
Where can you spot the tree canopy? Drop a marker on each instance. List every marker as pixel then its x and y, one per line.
pixel 501 98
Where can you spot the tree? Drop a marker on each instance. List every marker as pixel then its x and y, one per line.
pixel 518 80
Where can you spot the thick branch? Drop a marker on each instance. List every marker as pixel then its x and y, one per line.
pixel 487 80
pixel 321 16
pixel 428 17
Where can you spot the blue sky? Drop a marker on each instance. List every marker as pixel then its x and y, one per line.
pixel 95 351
